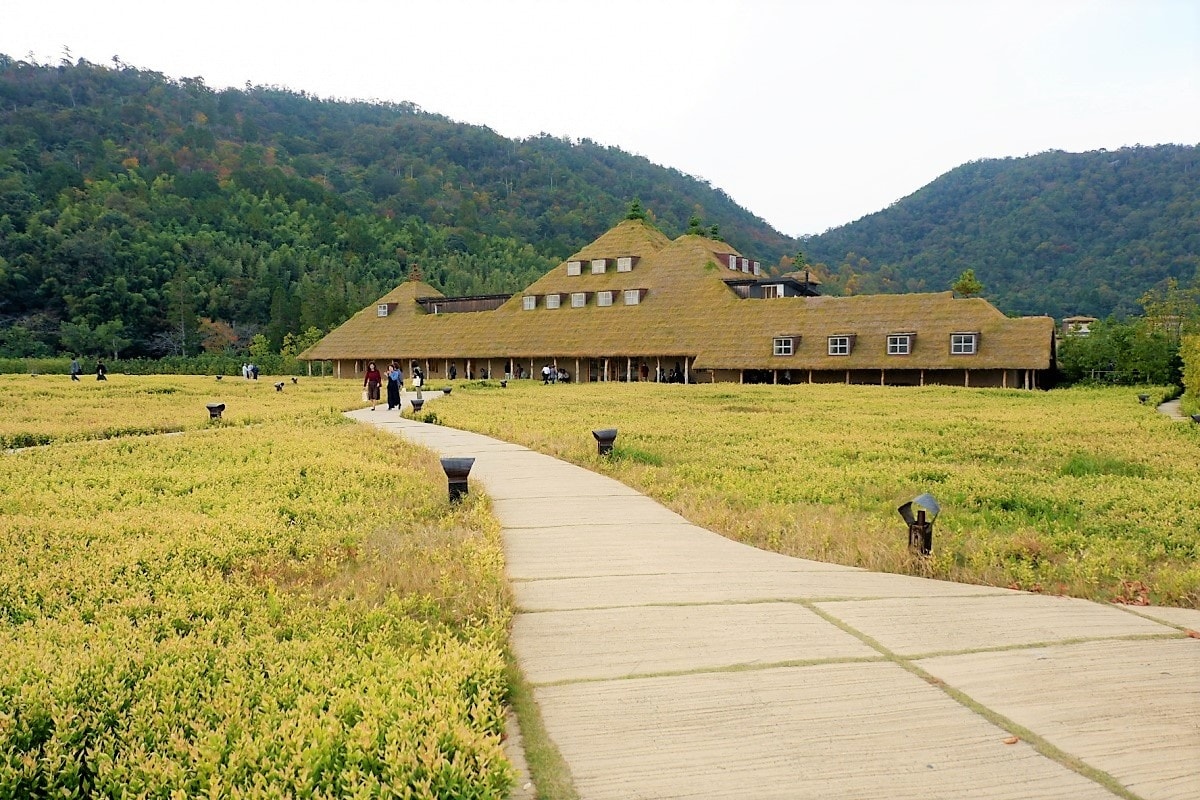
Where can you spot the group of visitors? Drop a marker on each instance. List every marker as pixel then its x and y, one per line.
pixel 552 374
pixel 250 371
pixel 77 370
pixel 373 381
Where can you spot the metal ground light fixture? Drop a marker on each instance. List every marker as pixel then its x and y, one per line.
pixel 604 440
pixel 1142 398
pixel 214 410
pixel 920 522
pixel 417 403
pixel 457 470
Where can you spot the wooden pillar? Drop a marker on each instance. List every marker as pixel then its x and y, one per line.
pixel 922 377
pixel 470 374
pixel 628 369
pixel 687 367
pixel 741 376
pixel 847 377
pixel 810 376
pixel 577 378
pixel 881 383
pixel 1004 379
pixel 967 378
pixel 774 377
pixel 338 367
pixel 657 369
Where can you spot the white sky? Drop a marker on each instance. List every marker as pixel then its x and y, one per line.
pixel 810 114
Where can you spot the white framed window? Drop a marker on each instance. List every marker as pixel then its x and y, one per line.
pixel 784 345
pixel 633 297
pixel 625 264
pixel 839 345
pixel 604 298
pixel 599 265
pixel 529 302
pixel 381 310
pixel 963 344
pixel 745 264
pixel 773 290
pixel 578 299
pixel 574 267
pixel 553 300
pixel 899 344
pixel 732 261
pixel 756 269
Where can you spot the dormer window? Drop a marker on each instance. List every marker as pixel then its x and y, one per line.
pixel 732 261
pixel 633 297
pixel 841 345
pixel 529 302
pixel 784 345
pixel 756 268
pixel 599 266
pixel 604 298
pixel 553 300
pixel 625 264
pixel 964 344
pixel 899 344
pixel 381 310
pixel 578 299
pixel 574 268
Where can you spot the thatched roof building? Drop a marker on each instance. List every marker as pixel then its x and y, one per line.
pixel 635 305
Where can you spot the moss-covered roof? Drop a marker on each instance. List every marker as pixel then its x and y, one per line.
pixel 686 308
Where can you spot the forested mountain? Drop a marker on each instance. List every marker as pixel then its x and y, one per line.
pixel 1056 233
pixel 152 215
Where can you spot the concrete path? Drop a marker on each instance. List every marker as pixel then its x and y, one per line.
pixel 670 662
pixel 1174 410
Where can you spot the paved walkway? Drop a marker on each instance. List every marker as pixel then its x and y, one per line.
pixel 1173 409
pixel 670 662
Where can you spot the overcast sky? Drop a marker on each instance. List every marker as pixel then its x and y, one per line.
pixel 809 114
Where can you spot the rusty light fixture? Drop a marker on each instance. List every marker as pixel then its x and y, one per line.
pixel 920 522
pixel 604 440
pixel 457 470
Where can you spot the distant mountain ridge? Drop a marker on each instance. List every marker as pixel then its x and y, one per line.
pixel 1056 233
pixel 153 216
pixel 170 208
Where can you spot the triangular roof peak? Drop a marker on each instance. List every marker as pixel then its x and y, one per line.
pixel 631 237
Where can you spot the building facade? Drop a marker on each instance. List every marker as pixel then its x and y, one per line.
pixel 635 305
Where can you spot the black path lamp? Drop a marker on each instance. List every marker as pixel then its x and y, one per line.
pixel 457 470
pixel 215 410
pixel 1142 398
pixel 279 386
pixel 920 522
pixel 604 440
pixel 446 389
pixel 417 402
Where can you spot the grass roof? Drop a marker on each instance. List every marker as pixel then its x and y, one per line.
pixel 687 309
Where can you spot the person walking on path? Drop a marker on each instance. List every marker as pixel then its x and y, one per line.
pixel 101 371
pixel 395 380
pixel 75 369
pixel 372 380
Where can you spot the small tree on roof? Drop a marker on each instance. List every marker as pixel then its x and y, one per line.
pixel 695 227
pixel 967 284
pixel 636 211
pixel 714 233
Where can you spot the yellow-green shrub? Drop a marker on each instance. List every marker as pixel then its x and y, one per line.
pixel 219 614
pixel 1078 491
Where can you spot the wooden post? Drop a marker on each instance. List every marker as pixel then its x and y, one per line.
pixel 687 367
pixel 774 377
pixel 881 383
pixel 577 378
pixel 741 376
pixel 628 369
pixel 967 378
pixel 605 378
pixel 922 377
pixel 657 369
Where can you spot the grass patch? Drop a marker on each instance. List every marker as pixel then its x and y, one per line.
pixel 1075 491
pixel 1083 464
